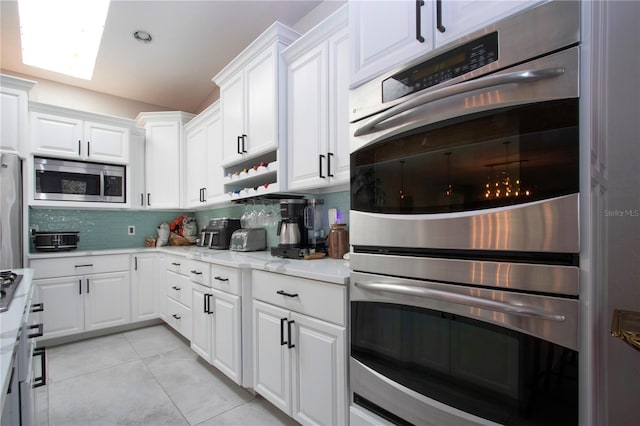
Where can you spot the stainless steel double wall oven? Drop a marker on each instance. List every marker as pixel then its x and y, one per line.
pixel 465 229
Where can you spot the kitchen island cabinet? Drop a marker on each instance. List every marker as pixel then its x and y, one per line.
pixel 299 348
pixel 144 288
pixel 82 293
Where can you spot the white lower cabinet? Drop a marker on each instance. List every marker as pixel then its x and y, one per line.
pixel 84 303
pixel 144 290
pixel 300 360
pixel 178 303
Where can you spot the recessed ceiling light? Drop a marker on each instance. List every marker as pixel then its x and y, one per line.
pixel 62 36
pixel 142 36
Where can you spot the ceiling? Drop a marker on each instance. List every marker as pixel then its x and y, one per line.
pixel 192 41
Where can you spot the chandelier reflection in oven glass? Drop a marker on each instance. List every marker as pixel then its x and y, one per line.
pixel 502 181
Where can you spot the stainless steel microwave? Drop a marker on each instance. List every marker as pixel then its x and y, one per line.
pixel 68 180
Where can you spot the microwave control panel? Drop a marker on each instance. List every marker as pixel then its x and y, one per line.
pixel 451 64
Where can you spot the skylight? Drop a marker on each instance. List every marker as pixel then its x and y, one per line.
pixel 62 35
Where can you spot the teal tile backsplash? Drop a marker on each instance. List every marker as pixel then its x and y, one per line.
pixel 107 229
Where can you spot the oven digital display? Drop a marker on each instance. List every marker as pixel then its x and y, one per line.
pixel 451 64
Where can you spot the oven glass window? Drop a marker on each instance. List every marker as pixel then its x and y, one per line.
pixel 492 159
pixel 50 182
pixel 483 369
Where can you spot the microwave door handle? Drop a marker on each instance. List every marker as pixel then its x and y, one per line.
pixel 457 89
pixel 460 299
pixel 102 178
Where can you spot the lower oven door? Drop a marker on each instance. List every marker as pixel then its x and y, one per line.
pixel 431 353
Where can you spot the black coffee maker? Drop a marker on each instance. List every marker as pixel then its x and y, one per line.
pixel 291 230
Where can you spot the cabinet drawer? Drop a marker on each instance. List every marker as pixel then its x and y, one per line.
pixel 179 317
pixel 179 288
pixel 226 278
pixel 199 272
pixel 81 265
pixel 314 298
pixel 177 264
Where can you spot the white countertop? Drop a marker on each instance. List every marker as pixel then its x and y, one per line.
pixel 10 323
pixel 330 270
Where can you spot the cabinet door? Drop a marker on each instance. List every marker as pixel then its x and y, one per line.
pixel 107 300
pixel 196 165
pixel 339 108
pixel 106 143
pixel 384 35
pixel 226 348
pixel 261 104
pixel 271 362
pixel 461 17
pixel 232 107
pixel 144 289
pixel 161 285
pixel 163 165
pixel 137 187
pixel 319 372
pixel 56 136
pixel 13 116
pixel 202 318
pixel 63 299
pixel 307 119
pixel 214 183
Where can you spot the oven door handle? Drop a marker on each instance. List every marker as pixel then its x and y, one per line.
pixel 460 299
pixel 457 89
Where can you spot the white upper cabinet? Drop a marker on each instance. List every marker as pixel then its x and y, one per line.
pixel 317 115
pixel 251 88
pixel 14 114
pixel 58 132
pixel 386 34
pixel 164 153
pixel 203 154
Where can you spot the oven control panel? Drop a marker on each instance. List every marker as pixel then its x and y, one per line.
pixel 455 62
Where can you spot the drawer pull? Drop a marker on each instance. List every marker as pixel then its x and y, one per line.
pixel 284 293
pixel 221 279
pixel 175 264
pixel 37 307
pixel 38 333
pixel 176 288
pixel 88 265
pixel 196 272
pixel 176 316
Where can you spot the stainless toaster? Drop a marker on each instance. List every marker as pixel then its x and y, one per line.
pixel 249 239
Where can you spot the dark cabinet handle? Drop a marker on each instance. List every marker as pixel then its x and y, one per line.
pixel 209 297
pixel 176 316
pixel 38 333
pixel 37 307
pixel 88 148
pixel 419 4
pixel 196 272
pixel 86 265
pixel 205 301
pixel 320 175
pixel 142 199
pixel 148 198
pixel 329 155
pixel 238 145
pixel 42 380
pixel 176 288
pixel 175 263
pixel 439 25
pixel 79 146
pixel 88 285
pixel 135 260
pixel 282 341
pixel 244 148
pixel 284 293
pixel 221 279
pixel 79 286
pixel 290 345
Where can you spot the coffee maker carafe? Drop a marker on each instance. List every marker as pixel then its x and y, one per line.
pixel 291 231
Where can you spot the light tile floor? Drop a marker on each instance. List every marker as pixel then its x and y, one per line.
pixel 148 376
